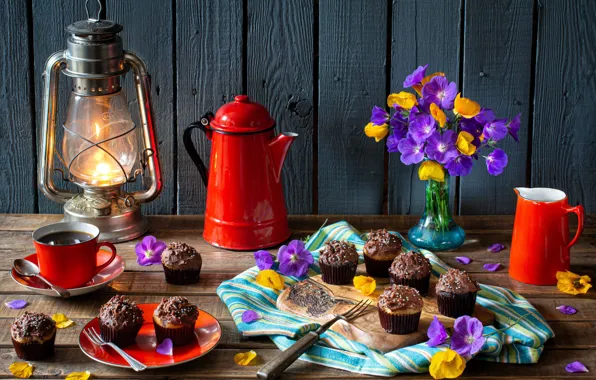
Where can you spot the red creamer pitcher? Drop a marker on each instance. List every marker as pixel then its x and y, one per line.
pixel 246 208
pixel 541 242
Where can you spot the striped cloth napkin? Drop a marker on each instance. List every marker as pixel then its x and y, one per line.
pixel 520 342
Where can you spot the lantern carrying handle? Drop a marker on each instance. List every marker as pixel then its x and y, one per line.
pixel 98 12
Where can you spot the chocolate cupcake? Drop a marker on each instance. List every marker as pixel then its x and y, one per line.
pixel 411 269
pixel 33 336
pixel 379 251
pixel 456 293
pixel 338 262
pixel 120 321
pixel 175 318
pixel 181 264
pixel 399 309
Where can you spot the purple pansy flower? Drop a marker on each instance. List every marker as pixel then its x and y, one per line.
pixel 496 130
pixel 440 147
pixel 436 333
pixel 294 259
pixel 467 336
pixel 492 267
pixel 166 347
pixel 463 260
pixel 497 247
pixel 422 127
pixel 249 316
pixel 576 367
pixel 416 76
pixel 472 127
pixel 569 310
pixel 496 161
pixel 460 165
pixel 412 152
pixel 379 116
pixel 149 251
pixel 440 92
pixel 16 304
pixel 263 259
pixel 486 115
pixel 514 127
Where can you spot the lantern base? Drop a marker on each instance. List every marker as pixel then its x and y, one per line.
pixel 118 224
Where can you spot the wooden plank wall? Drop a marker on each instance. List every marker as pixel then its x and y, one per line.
pixel 319 66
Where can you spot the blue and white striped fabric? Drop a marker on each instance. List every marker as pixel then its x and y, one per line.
pixel 520 342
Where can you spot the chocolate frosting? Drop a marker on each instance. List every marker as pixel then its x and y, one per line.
pixel 457 282
pixel 410 265
pixel 32 325
pixel 338 253
pixel 400 297
pixel 382 245
pixel 120 312
pixel 179 254
pixel 177 311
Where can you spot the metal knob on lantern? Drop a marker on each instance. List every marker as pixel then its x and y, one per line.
pixel 101 149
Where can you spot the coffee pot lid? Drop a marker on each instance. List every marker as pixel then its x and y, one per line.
pixel 242 116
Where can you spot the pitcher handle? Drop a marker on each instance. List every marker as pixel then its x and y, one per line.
pixel 579 211
pixel 191 149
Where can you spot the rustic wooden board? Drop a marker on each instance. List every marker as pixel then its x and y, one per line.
pixel 564 113
pixel 352 52
pixel 155 46
pixel 498 74
pixel 417 39
pixel 209 38
pixel 280 76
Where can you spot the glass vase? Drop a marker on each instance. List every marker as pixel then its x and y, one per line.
pixel 437 231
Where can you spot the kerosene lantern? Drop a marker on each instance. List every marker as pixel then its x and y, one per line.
pixel 101 149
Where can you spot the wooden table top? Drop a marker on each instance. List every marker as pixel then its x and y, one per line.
pixel 574 333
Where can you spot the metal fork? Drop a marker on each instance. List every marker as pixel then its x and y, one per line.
pixel 96 339
pixel 274 368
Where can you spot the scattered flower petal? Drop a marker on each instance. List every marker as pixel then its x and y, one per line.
pixel 62 321
pixel 497 247
pixel 576 367
pixel 492 267
pixel 446 364
pixel 166 347
pixel 16 304
pixel 467 336
pixel 294 259
pixel 250 316
pixel 573 284
pixel 149 251
pixel 245 358
pixel 263 259
pixel 463 260
pixel 270 279
pixel 566 309
pixel 436 333
pixel 22 370
pixel 78 376
pixel 366 285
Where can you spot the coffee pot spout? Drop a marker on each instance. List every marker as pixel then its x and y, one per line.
pixel 278 148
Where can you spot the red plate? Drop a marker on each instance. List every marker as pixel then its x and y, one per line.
pixel 207 329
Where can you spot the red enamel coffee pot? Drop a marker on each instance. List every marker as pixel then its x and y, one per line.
pixel 246 209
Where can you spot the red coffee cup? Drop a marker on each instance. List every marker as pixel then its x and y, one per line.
pixel 73 264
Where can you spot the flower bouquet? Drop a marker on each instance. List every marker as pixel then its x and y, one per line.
pixel 421 131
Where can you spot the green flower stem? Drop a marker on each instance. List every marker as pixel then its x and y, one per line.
pixel 437 204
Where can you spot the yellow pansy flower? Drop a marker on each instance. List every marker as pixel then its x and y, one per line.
pixel 245 358
pixel 403 99
pixel 465 107
pixel 572 283
pixel 438 114
pixel 366 285
pixel 425 80
pixel 431 170
pixel 270 279
pixel 446 364
pixel 464 143
pixel 377 131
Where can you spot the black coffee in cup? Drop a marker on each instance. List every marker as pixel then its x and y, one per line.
pixel 65 238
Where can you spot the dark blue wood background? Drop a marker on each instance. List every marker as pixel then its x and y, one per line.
pixel 319 66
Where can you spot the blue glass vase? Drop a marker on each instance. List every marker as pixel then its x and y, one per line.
pixel 437 231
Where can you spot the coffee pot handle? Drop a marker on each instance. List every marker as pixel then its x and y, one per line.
pixel 191 149
pixel 579 211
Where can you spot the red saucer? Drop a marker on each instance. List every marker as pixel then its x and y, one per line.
pixel 207 329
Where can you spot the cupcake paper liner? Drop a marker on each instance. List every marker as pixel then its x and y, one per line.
pixel 420 284
pixel 456 305
pixel 180 336
pixel 377 268
pixel 181 276
pixel 35 351
pixel 120 337
pixel 338 274
pixel 399 323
